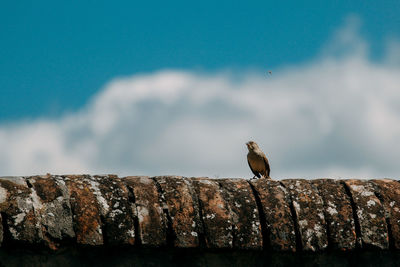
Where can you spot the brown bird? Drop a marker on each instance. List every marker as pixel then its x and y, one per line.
pixel 257 160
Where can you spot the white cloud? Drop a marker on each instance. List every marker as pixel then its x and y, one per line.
pixel 337 116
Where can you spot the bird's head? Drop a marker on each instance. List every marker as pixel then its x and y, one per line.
pixel 251 145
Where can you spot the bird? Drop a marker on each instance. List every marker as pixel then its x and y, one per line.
pixel 257 160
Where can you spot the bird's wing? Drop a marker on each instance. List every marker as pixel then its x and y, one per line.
pixel 267 168
pixel 255 173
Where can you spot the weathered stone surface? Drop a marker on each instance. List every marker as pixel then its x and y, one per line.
pixel 56 210
pixel 52 209
pixel 36 210
pixel 116 213
pixel 388 192
pixel 151 219
pixel 85 209
pixel 216 216
pixel 17 209
pixel 370 214
pixel 244 213
pixel 182 215
pixel 275 201
pixel 309 209
pixel 338 214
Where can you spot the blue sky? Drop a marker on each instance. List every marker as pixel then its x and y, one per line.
pixel 159 88
pixel 56 55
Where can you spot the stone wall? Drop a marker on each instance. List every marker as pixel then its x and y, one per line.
pixel 57 211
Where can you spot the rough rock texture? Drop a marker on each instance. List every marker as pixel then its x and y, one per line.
pixel 370 214
pixel 388 192
pixel 86 211
pixel 52 209
pixel 215 213
pixel 18 212
pixel 180 209
pixel 151 222
pixel 115 210
pixel 309 209
pixel 57 211
pixel 275 202
pixel 338 214
pixel 246 232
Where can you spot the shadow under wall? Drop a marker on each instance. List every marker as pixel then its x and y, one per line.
pixel 191 257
